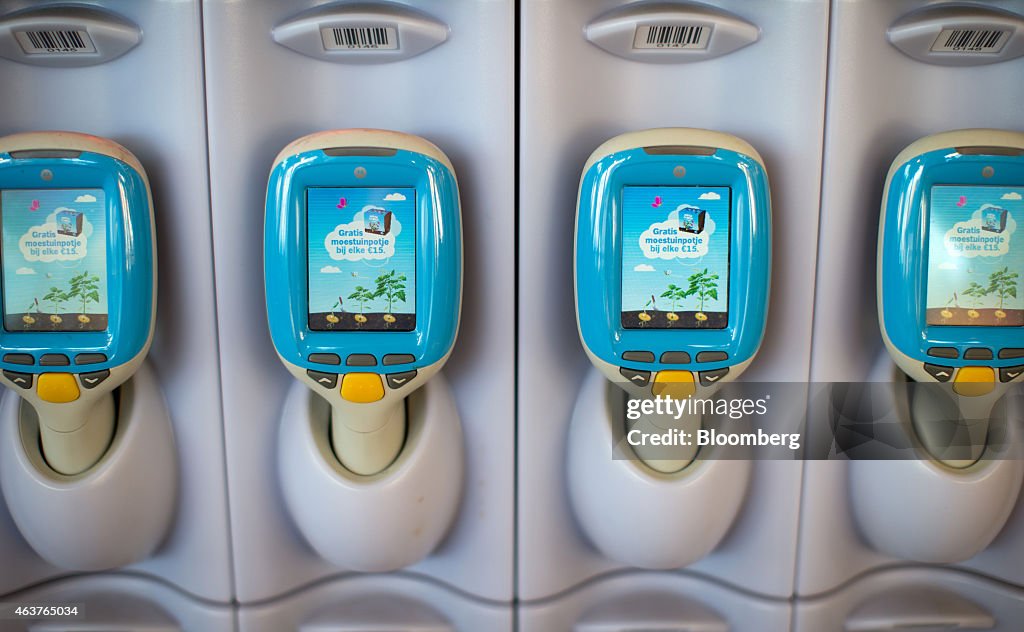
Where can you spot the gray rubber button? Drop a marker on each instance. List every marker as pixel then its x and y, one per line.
pixel 90 358
pixel 92 380
pixel 943 352
pixel 325 358
pixel 978 353
pixel 712 356
pixel 1010 373
pixel 707 378
pixel 361 359
pixel 940 373
pixel 675 357
pixel 54 359
pixel 398 358
pixel 24 380
pixel 639 378
pixel 19 358
pixel 638 356
pixel 327 380
pixel 398 380
pixel 1005 354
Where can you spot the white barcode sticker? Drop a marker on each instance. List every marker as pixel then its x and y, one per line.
pixel 360 38
pixel 970 41
pixel 69 42
pixel 685 36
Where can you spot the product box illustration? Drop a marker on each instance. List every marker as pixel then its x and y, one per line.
pixel 69 223
pixel 692 221
pixel 377 221
pixel 995 220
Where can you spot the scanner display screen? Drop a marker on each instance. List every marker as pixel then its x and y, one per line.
pixel 361 245
pixel 975 257
pixel 54 260
pixel 675 257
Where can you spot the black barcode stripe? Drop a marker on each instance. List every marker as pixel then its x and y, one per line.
pixel 58 40
pixel 674 35
pixel 366 37
pixel 973 39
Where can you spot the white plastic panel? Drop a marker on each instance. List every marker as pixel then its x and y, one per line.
pixel 574 96
pixel 376 602
pixel 655 601
pixel 151 101
pixel 120 602
pixel 917 599
pixel 458 95
pixel 871 117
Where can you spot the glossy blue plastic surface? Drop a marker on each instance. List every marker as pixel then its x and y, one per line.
pixel 598 256
pixel 903 255
pixel 438 258
pixel 131 260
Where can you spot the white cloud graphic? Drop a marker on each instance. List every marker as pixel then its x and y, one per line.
pixel 643 267
pixel 348 242
pixel 664 240
pixel 330 270
pixel 710 195
pixel 85 198
pixel 24 270
pixel 969 239
pixel 394 197
pixel 43 243
pixel 947 265
pixel 1012 195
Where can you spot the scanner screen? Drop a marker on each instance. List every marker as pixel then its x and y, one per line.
pixel 975 256
pixel 675 257
pixel 54 260
pixel 361 245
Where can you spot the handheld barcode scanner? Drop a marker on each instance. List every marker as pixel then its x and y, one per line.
pixel 363 266
pixel 950 304
pixel 79 284
pixel 673 258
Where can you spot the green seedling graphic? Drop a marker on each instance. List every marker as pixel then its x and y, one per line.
pixel 57 298
pixel 390 287
pixel 362 296
pixel 704 286
pixel 675 294
pixel 1003 284
pixel 85 287
pixel 976 292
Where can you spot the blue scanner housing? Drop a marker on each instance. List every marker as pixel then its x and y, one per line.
pixel 130 255
pixel 438 255
pixel 903 255
pixel 599 252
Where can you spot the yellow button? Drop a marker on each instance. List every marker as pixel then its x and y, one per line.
pixel 57 388
pixel 674 384
pixel 362 388
pixel 973 381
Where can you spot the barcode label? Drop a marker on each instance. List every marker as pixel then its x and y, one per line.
pixel 360 38
pixel 671 36
pixel 970 41
pixel 49 42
